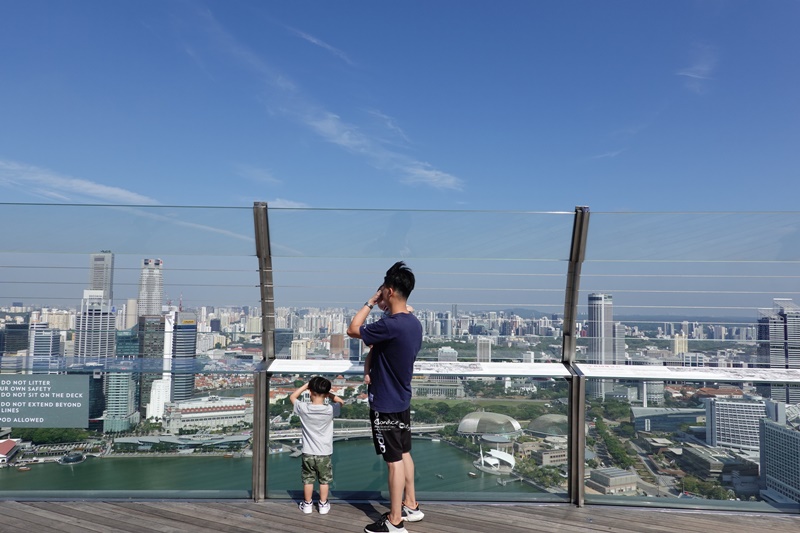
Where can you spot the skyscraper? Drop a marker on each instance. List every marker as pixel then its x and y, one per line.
pixel 299 349
pixel 95 329
pixel 44 351
pixel 151 288
pixel 779 435
pixel 184 351
pixel 733 423
pixel 606 340
pixel 101 273
pixel 151 355
pixel 484 350
pixel 779 345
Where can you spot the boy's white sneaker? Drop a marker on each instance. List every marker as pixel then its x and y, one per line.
pixel 306 507
pixel 324 507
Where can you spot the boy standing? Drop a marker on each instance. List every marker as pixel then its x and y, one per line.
pixel 395 339
pixel 316 421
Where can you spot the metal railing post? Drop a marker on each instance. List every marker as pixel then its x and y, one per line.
pixel 577 388
pixel 261 376
pixel 580 231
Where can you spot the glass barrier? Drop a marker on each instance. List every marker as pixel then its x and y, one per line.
pixel 489 288
pixel 669 294
pixel 117 324
pixel 152 306
pixel 706 444
pixel 474 438
pixel 90 430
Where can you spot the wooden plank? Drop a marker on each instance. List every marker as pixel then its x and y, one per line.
pixel 196 515
pixel 84 514
pixel 13 518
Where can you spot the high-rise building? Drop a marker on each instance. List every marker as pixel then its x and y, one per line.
pixel 15 338
pixel 151 288
pixel 121 412
pixel 101 273
pixel 45 350
pixel 356 346
pixel 183 352
pixel 484 350
pixel 780 448
pixel 97 396
pixel 151 356
pixel 606 340
pixel 127 315
pixel 733 423
pixel 680 343
pixel 95 329
pixel 299 349
pixel 337 344
pixel 283 342
pixel 122 388
pixel 779 345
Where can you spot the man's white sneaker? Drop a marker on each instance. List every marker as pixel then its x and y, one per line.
pixel 324 507
pixel 412 515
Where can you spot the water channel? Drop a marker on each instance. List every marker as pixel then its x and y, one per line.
pixel 440 468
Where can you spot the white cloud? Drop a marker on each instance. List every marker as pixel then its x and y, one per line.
pixel 701 70
pixel 607 155
pixel 44 182
pixel 328 125
pixel 322 44
pixel 390 124
pixel 287 204
pixel 424 174
pixel 256 174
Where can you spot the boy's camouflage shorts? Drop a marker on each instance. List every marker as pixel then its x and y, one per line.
pixel 317 467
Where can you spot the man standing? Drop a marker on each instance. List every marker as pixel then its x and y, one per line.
pixel 395 341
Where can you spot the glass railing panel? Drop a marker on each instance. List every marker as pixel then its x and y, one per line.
pixel 680 295
pixel 79 432
pixel 154 306
pixel 707 444
pixel 489 291
pixel 488 438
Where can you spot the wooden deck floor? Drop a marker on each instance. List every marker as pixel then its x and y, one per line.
pixel 283 517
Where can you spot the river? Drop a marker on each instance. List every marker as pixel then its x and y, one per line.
pixel 439 468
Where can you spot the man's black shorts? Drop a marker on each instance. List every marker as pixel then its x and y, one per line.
pixel 391 434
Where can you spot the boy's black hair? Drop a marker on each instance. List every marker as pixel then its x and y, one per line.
pixel 319 385
pixel 400 278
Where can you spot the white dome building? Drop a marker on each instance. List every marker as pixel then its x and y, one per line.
pixel 481 423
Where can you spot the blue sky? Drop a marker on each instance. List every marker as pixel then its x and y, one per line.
pixel 645 106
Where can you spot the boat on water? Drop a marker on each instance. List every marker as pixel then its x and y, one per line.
pixel 472 474
pixel 440 476
pixel 495 462
pixel 23 468
pixel 227 455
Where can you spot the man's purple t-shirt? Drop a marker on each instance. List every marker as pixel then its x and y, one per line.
pixel 395 342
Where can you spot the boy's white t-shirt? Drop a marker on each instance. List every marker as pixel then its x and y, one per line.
pixel 317 426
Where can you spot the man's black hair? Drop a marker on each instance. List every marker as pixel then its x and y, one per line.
pixel 319 385
pixel 400 278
